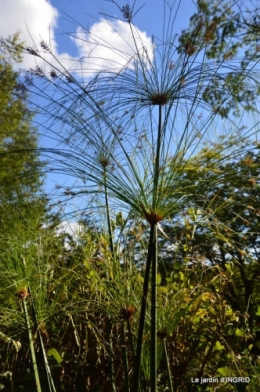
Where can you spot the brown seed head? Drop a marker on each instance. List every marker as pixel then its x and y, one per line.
pixel 31 51
pixel 248 161
pixel 127 12
pixel 127 312
pixel 251 181
pixel 43 332
pixel 190 49
pixel 209 35
pixel 162 334
pixel 22 294
pixel 104 162
pixel 44 46
pixel 53 73
pixel 159 98
pixel 228 55
pixel 152 217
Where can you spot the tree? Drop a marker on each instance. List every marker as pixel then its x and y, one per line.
pixel 18 139
pixel 25 246
pixel 226 31
pixel 20 175
pixel 225 234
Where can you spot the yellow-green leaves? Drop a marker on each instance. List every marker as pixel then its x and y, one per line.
pixel 219 346
pixel 52 352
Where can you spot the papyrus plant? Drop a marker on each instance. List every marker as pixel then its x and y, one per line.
pixel 115 133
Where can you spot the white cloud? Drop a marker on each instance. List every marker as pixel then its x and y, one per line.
pixel 110 45
pixel 72 228
pixel 38 15
pixel 36 21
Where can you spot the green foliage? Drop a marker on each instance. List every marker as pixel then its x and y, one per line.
pixel 222 31
pixel 25 249
pixel 20 178
pixel 52 352
pixel 18 139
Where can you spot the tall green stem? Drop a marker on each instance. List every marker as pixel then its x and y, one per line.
pixel 136 384
pixel 153 364
pixel 35 368
pixel 125 360
pixel 109 323
pixel 157 159
pixel 110 232
pixel 131 338
pixel 151 257
pixel 111 353
pixel 168 365
pixel 49 378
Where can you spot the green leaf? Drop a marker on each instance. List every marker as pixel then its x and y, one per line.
pixel 219 346
pixel 224 371
pixel 196 320
pixel 52 352
pixel 186 247
pixel 258 311
pixel 229 312
pixel 239 332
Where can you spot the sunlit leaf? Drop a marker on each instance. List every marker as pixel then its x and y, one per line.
pixel 52 352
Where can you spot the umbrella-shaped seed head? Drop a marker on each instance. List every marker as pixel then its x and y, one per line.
pixel 152 217
pixel 160 98
pixel 103 160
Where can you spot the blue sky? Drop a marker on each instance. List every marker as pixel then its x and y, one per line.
pixel 56 21
pixel 52 20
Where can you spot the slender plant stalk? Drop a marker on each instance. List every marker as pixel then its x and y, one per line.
pixel 131 338
pixel 157 159
pixel 151 257
pixel 35 368
pixel 108 217
pixel 111 354
pixel 49 378
pixel 111 245
pixel 168 365
pixel 125 360
pixel 11 384
pixel 153 365
pixel 109 323
pixel 136 383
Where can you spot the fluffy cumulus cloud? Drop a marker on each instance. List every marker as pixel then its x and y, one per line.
pixel 107 45
pixel 38 16
pixel 71 228
pixel 111 45
pixel 36 21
